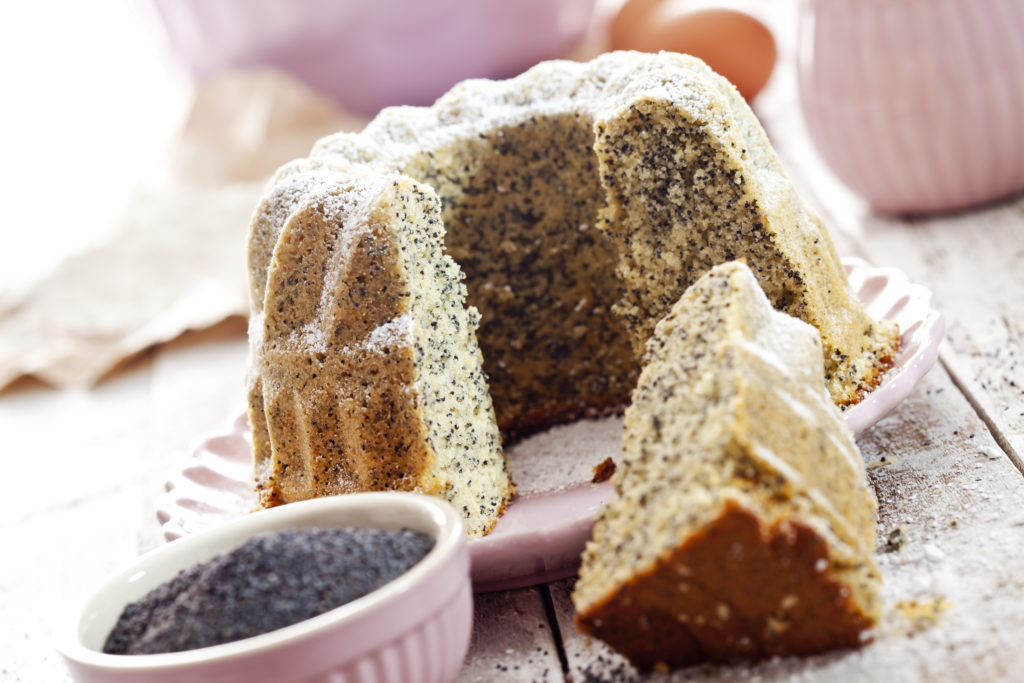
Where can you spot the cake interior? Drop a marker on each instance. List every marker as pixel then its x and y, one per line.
pixel 457 407
pixel 522 219
pixel 580 201
pixel 576 190
pixel 701 206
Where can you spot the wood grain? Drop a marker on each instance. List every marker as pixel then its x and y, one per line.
pixel 971 262
pixel 512 639
pixel 83 467
pixel 960 504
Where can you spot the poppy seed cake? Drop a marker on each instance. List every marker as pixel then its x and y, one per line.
pixel 365 371
pixel 580 200
pixel 744 527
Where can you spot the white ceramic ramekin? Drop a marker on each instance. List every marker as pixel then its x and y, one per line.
pixel 414 629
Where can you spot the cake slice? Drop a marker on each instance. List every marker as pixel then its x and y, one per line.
pixel 365 374
pixel 744 527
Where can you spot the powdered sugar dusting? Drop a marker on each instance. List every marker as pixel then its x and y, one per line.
pixel 565 455
pixel 595 89
pixel 393 333
pixel 951 591
pixel 344 199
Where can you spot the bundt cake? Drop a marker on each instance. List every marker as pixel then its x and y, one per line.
pixel 651 164
pixel 580 200
pixel 365 370
pixel 744 527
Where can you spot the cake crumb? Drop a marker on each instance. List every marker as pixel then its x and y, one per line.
pixel 920 614
pixel 896 539
pixel 603 471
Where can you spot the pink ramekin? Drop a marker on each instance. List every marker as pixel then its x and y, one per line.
pixel 414 629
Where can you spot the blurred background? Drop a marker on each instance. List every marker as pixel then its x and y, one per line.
pixel 139 134
pixel 89 105
pixel 98 90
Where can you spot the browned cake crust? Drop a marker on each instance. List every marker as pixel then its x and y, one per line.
pixel 365 374
pixel 883 361
pixel 323 437
pixel 737 589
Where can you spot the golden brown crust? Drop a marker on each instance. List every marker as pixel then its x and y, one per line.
pixel 365 375
pixel 323 424
pixel 735 590
pixel 501 511
pixel 649 165
pixel 743 526
pixel 548 185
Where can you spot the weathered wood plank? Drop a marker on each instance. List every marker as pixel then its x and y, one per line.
pixel 70 445
pixel 51 559
pixel 198 387
pixel 971 262
pixel 960 504
pixel 512 639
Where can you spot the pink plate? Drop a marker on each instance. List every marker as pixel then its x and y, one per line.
pixel 542 534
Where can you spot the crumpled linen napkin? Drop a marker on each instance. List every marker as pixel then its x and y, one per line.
pixel 176 260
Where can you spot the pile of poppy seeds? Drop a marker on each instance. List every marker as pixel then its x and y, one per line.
pixel 272 581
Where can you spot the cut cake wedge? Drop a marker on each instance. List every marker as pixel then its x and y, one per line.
pixel 744 526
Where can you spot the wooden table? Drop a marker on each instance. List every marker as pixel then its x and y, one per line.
pixel 81 469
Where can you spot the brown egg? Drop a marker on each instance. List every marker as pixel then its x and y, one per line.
pixel 629 22
pixel 733 43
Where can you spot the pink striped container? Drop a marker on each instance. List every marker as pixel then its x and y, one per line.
pixel 917 105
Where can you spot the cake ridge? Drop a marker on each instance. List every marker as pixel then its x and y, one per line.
pixel 407 139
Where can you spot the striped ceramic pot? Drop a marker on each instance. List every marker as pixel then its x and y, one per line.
pixel 917 105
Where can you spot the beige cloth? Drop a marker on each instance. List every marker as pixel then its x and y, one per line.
pixel 176 260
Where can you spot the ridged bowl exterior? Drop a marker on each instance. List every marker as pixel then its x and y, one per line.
pixel 430 652
pixel 916 105
pixel 414 629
